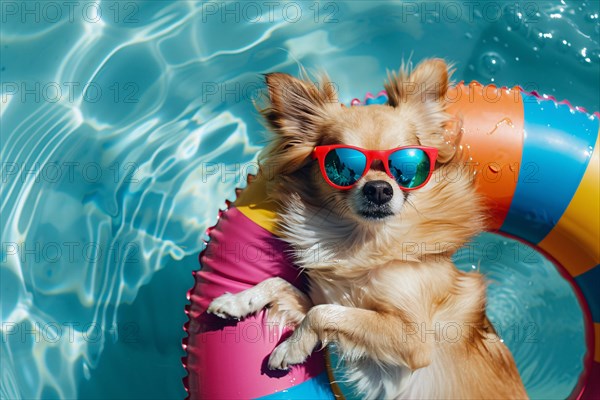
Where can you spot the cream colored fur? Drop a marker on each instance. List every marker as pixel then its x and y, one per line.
pixel 407 322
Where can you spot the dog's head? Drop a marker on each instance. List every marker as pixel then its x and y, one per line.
pixel 304 115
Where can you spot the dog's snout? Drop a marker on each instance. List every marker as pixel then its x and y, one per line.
pixel 378 192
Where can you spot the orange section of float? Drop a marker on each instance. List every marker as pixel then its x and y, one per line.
pixel 253 203
pixel 575 240
pixel 492 144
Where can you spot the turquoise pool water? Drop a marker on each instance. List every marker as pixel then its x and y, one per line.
pixel 125 125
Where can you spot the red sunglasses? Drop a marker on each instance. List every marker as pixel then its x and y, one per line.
pixel 342 165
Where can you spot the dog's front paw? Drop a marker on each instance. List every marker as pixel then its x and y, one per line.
pixel 286 355
pixel 295 350
pixel 229 306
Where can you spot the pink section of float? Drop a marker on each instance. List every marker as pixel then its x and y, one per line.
pixel 226 358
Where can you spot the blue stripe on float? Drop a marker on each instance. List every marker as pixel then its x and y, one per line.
pixel 589 283
pixel 313 389
pixel 557 148
pixel 382 99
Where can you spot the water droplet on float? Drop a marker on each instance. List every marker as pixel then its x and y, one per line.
pixel 503 121
pixel 473 267
pixel 490 63
pixel 495 168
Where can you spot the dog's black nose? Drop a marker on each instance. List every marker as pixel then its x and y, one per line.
pixel 378 192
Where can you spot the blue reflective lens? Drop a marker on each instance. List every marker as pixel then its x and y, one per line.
pixel 345 166
pixel 410 167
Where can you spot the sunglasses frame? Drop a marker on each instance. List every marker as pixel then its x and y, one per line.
pixel 320 152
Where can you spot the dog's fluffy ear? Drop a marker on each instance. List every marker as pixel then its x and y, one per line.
pixel 296 112
pixel 428 82
pixel 425 88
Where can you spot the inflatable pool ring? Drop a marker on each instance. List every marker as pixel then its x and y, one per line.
pixel 537 164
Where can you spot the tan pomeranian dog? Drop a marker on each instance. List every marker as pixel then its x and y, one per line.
pixel 360 189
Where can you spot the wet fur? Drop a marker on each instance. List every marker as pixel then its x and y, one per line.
pixel 407 322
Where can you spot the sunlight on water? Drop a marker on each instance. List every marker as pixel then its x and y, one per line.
pixel 126 125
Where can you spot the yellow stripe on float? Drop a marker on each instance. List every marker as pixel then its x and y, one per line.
pixel 253 203
pixel 575 240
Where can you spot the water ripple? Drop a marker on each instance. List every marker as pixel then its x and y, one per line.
pixel 122 137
